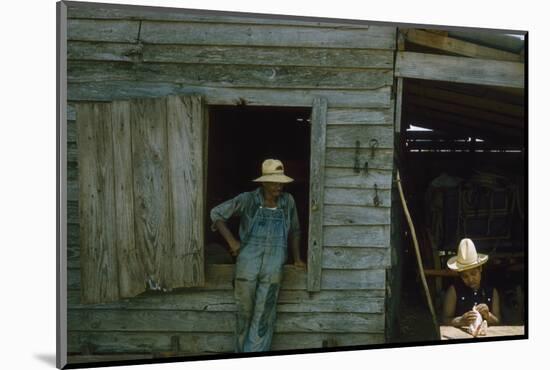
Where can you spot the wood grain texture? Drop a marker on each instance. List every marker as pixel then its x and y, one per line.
pixel 355 215
pixel 193 343
pixel 102 30
pixel 374 37
pixel 131 274
pixel 345 158
pixel 273 76
pixel 121 90
pixel 357 197
pixel 341 136
pixel 460 69
pixel 151 191
pixel 356 258
pixel 361 301
pixel 372 236
pixel 229 55
pixel 346 178
pixel 193 321
pixel 339 116
pixel 316 191
pixel 185 153
pixel 97 214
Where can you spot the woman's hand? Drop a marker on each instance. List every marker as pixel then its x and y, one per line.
pixel 468 318
pixel 483 309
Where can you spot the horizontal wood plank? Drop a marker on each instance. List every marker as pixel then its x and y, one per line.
pixel 460 69
pixel 356 258
pixel 204 16
pixel 357 197
pixel 355 215
pixel 375 37
pixel 360 116
pixel 147 342
pixel 193 321
pixel 122 90
pixel 229 55
pixel 222 76
pixel 220 277
pixel 357 236
pixel 347 178
pixel 103 30
pixel 360 301
pixel 340 136
pixel 382 159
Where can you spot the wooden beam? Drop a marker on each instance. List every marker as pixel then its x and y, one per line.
pixel 457 46
pixel 459 69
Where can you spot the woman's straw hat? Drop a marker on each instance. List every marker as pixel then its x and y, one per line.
pixel 467 257
pixel 273 171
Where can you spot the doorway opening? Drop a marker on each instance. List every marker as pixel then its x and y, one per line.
pixel 240 138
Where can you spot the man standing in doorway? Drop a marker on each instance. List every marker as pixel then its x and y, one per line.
pixel 268 219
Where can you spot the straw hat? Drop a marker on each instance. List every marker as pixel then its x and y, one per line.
pixel 467 257
pixel 273 171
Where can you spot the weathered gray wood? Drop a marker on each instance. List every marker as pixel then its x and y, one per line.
pixel 147 342
pixel 340 136
pixel 72 190
pixel 456 46
pixel 347 178
pixel 316 191
pixel 226 55
pixel 185 153
pixel 113 90
pixel 223 301
pixel 460 69
pixel 374 37
pixel 72 154
pixel 372 236
pixel 356 258
pixel 131 274
pixel 353 279
pixel 355 215
pixel 206 16
pixel 398 105
pixel 357 197
pixel 102 30
pixel 220 277
pixel 97 213
pixel 340 116
pixel 151 191
pixel 345 158
pixel 193 321
pixel 71 131
pixel 222 76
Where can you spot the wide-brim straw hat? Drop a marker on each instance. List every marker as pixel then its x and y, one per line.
pixel 273 171
pixel 467 257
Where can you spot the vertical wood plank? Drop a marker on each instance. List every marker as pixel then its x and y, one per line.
pixel 185 156
pixel 317 175
pixel 151 193
pixel 398 105
pixel 131 273
pixel 99 272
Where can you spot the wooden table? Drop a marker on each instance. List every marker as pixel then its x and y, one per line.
pixel 450 332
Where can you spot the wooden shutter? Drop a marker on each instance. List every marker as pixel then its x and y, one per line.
pixel 141 195
pixel 316 193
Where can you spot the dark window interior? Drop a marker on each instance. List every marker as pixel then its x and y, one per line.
pixel 239 139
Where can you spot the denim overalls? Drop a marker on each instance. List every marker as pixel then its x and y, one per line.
pixel 258 275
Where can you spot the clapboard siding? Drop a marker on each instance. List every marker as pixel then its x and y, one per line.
pixel 220 277
pixel 371 236
pixel 190 15
pixel 122 90
pixel 227 55
pixel 199 321
pixel 193 343
pixel 128 53
pixel 359 301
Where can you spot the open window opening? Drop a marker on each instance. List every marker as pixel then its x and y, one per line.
pixel 462 163
pixel 239 139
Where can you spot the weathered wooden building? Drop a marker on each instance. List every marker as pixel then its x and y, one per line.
pixel 171 112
